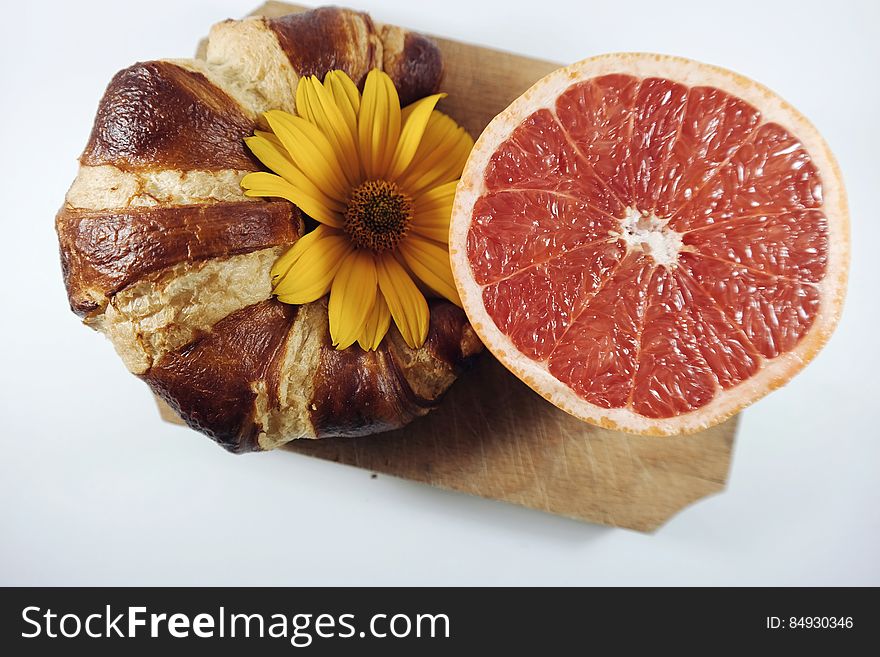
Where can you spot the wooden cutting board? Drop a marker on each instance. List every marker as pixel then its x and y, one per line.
pixel 493 436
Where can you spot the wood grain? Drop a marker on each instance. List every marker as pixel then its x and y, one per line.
pixel 493 436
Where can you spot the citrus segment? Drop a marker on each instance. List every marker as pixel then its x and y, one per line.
pixel 793 244
pixel 538 155
pixel 727 352
pixel 672 377
pixel 773 313
pixel 656 116
pixel 715 125
pixel 513 230
pixel 596 114
pixel 535 305
pixel 597 356
pixel 769 173
pixel 651 243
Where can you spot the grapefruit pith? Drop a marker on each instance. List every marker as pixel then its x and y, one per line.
pixel 651 243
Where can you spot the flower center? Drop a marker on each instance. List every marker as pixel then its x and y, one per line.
pixel 378 215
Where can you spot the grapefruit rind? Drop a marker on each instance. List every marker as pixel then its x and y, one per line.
pixel 774 372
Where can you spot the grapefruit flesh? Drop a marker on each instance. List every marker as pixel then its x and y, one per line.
pixel 651 243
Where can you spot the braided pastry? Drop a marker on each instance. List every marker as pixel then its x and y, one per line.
pixel 163 253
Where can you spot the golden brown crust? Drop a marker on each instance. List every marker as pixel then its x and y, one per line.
pixel 364 392
pixel 328 38
pixel 212 382
pixel 413 61
pixel 160 115
pixel 451 339
pixel 103 251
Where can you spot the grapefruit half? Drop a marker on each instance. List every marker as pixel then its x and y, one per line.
pixel 651 243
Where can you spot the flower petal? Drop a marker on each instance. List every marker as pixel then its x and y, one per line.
pixel 310 151
pixel 376 325
pixel 416 118
pixel 348 99
pixel 274 156
pixel 283 264
pixel 378 124
pixel 441 155
pixel 436 198
pixel 405 301
pixel 261 183
pixel 366 119
pixel 310 277
pixel 429 261
pixel 270 137
pixel 352 297
pixel 433 224
pixel 314 99
pixel 392 136
pixel 302 100
pixel 345 94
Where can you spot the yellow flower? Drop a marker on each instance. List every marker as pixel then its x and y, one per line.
pixel 380 180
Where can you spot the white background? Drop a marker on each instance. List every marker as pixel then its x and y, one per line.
pixel 94 489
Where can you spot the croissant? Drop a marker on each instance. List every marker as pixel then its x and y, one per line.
pixel 163 253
